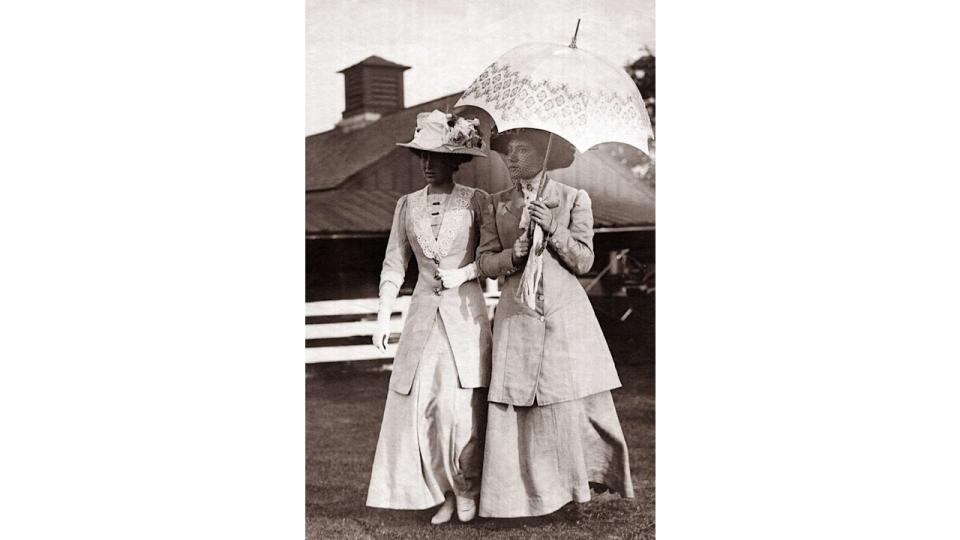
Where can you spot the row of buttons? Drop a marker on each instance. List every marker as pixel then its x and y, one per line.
pixel 436 290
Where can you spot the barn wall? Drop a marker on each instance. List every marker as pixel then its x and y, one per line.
pixel 338 269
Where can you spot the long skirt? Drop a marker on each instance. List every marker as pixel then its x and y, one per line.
pixel 539 458
pixel 431 440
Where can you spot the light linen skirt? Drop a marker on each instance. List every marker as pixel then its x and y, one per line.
pixel 539 458
pixel 431 440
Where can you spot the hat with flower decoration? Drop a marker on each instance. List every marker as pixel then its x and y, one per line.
pixel 447 133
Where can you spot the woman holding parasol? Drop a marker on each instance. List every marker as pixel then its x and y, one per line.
pixel 552 428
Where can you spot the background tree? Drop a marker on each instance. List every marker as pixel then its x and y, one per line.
pixel 643 167
pixel 643 72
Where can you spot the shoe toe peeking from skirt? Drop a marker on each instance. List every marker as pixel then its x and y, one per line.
pixel 466 508
pixel 445 512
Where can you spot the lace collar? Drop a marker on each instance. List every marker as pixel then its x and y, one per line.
pixel 453 209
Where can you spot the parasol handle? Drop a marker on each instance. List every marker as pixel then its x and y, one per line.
pixel 543 169
pixel 573 42
pixel 543 184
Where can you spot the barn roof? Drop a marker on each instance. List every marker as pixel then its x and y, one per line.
pixel 334 156
pixel 350 211
pixel 376 61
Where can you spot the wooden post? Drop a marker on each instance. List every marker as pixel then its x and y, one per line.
pixel 615 264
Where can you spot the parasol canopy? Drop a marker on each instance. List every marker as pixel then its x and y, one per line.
pixel 565 90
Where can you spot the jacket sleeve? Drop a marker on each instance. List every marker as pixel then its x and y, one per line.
pixel 398 253
pixel 573 245
pixel 492 259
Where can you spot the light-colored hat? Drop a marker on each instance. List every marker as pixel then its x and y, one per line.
pixel 447 134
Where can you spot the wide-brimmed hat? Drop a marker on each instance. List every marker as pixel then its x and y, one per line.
pixel 561 152
pixel 446 133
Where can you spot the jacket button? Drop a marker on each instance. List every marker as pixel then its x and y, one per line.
pixel 436 291
pixel 541 318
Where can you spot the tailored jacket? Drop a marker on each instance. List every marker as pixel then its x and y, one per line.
pixel 462 310
pixel 556 352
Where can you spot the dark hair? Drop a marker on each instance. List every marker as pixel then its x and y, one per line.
pixel 455 159
pixel 561 152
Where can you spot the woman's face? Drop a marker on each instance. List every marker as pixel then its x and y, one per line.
pixel 523 159
pixel 437 168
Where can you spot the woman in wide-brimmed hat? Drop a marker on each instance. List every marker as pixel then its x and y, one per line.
pixel 552 429
pixel 430 450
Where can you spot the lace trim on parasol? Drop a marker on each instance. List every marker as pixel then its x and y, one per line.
pixel 520 97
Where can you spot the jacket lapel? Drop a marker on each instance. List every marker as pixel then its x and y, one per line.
pixel 511 206
pixel 551 194
pixel 515 203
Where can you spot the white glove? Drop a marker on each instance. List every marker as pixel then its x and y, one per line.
pixel 452 279
pixel 381 334
pixel 388 294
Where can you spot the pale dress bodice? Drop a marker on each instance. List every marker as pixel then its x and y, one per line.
pixel 441 231
pixel 435 205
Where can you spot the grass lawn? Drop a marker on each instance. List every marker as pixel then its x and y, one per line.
pixel 344 405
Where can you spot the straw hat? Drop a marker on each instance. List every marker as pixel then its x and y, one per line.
pixel 447 134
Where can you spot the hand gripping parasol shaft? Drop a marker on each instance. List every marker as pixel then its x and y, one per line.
pixel 543 183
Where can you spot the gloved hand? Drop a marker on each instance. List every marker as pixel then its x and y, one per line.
pixel 520 248
pixel 381 334
pixel 541 215
pixel 388 295
pixel 452 279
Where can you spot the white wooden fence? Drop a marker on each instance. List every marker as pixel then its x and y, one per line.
pixel 342 330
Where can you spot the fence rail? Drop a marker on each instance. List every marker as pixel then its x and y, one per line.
pixel 330 323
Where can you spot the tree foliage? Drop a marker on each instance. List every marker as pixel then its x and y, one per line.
pixel 643 73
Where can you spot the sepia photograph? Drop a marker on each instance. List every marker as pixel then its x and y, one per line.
pixel 489 351
pixel 480 269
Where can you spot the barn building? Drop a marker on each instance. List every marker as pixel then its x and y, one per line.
pixel 355 174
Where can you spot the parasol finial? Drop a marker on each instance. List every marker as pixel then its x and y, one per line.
pixel 573 42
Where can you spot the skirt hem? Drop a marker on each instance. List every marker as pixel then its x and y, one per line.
pixel 390 506
pixel 540 458
pixel 542 509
